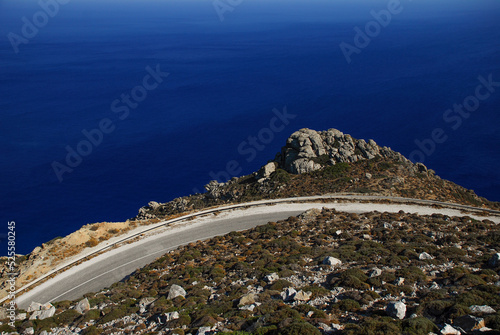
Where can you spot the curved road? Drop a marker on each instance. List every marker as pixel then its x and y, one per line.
pixel 116 264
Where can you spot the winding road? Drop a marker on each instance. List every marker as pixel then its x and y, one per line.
pixel 121 259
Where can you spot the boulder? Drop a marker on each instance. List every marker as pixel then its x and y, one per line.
pixel 425 256
pixel 288 294
pixel 449 330
pixel 476 309
pixel 144 303
pixel 45 311
pixel 29 331
pixel 396 310
pixel 172 316
pixel 176 291
pixel 302 296
pixel 271 278
pixel 204 331
pixel 247 299
pixel 332 261
pixel 83 306
pixel 266 171
pixel 375 272
pixel 35 306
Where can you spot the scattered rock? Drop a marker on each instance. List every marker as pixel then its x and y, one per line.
pixel 45 311
pixel 482 309
pixel 144 303
pixel 271 278
pixel 29 331
pixel 176 291
pixel 400 281
pixel 368 176
pixel 247 299
pixel 396 309
pixel 425 256
pixel 172 316
pixel 83 306
pixel 375 272
pixel 332 261
pixel 204 331
pixel 449 330
pixel 469 323
pixel 288 294
pixel 302 296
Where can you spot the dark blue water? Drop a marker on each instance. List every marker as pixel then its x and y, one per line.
pixel 225 79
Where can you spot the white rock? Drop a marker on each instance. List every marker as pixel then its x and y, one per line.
pixel 288 294
pixel 425 256
pixel 449 330
pixel 172 316
pixel 271 278
pixel 29 331
pixel 302 296
pixel 44 313
pixel 203 330
pixel 396 309
pixel 176 291
pixel 375 272
pixel 267 170
pixel 332 261
pixel 35 306
pixel 482 309
pixel 400 281
pixel 83 306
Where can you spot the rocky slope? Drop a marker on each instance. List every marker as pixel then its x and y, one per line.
pixel 311 163
pixel 323 272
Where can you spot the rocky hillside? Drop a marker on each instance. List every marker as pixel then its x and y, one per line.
pixel 323 272
pixel 311 163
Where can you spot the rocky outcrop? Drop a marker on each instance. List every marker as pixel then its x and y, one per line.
pixel 308 150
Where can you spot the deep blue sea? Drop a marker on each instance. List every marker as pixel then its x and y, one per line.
pixel 225 79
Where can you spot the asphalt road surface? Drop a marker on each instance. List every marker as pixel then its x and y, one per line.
pixel 114 266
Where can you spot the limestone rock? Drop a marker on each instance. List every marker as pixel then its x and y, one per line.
pixel 266 171
pixel 482 309
pixel 83 306
pixel 176 291
pixel 271 278
pixel 144 303
pixel 375 272
pixel 247 299
pixel 396 309
pixel 45 311
pixel 172 316
pixel 35 306
pixel 302 296
pixel 425 256
pixel 308 150
pixel 449 330
pixel 332 261
pixel 204 331
pixel 288 294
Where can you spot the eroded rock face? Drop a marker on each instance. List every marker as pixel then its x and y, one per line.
pixel 308 150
